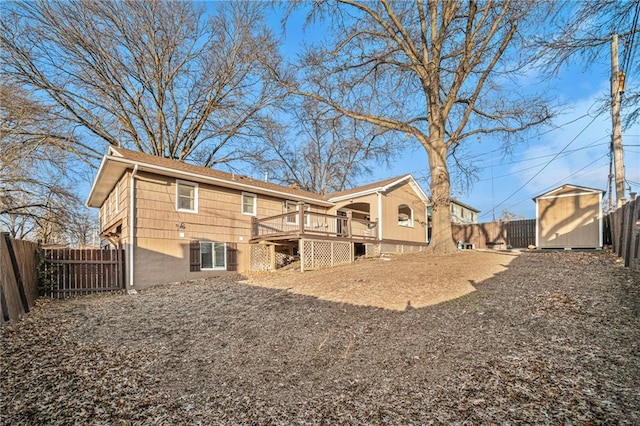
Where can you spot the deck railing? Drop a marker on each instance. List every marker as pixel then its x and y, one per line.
pixel 311 223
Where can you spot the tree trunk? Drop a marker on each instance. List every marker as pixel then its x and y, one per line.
pixel 441 235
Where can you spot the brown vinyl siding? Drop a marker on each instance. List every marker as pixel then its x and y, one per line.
pixel 162 253
pixel 109 215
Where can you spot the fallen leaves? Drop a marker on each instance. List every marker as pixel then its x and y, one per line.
pixel 552 339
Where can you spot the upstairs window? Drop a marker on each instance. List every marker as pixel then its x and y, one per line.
pixel 186 197
pixel 294 208
pixel 405 215
pixel 249 204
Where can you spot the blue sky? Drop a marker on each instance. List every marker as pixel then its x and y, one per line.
pixel 575 150
pixel 510 182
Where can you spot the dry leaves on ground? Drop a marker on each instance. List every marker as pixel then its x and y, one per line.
pixel 553 338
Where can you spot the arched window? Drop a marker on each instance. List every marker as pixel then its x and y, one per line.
pixel 405 215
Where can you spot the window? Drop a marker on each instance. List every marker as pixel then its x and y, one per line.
pixel 207 255
pixel 213 255
pixel 405 215
pixel 249 204
pixel 186 197
pixel 293 208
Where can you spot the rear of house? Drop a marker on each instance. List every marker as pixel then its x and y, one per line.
pixel 569 217
pixel 179 222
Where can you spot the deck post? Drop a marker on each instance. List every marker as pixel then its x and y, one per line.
pixel 272 257
pixel 349 217
pixel 301 216
pixel 254 226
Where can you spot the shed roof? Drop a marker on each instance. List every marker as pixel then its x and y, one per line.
pixel 569 188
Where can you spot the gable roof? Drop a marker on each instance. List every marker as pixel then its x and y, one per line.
pixel 119 160
pixel 380 186
pixel 569 186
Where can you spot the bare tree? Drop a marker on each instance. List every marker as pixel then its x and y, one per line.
pixel 327 152
pixel 36 197
pixel 583 33
pixel 436 71
pixel 161 77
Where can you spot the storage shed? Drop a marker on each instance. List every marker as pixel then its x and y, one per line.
pixel 569 217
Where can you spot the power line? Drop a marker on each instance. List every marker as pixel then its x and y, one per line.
pixel 558 182
pixel 590 145
pixel 548 163
pixel 523 170
pixel 628 51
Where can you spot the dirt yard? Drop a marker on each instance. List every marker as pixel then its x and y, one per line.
pixel 548 338
pixel 392 281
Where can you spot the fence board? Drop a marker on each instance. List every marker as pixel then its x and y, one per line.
pixel 82 271
pixel 18 277
pixel 517 234
pixel 624 234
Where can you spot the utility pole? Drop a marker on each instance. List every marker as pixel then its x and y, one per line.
pixel 617 89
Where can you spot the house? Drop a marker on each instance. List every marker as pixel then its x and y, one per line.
pixel 177 221
pixel 569 216
pixel 463 214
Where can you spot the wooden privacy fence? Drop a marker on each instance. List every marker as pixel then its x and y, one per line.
pixel 18 277
pixel 74 272
pixel 498 235
pixel 622 225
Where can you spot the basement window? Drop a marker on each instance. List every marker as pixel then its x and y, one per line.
pixel 213 255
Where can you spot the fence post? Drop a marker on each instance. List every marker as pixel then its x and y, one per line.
pixel 630 231
pixel 16 273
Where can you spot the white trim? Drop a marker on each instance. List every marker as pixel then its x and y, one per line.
pixel 370 191
pixel 195 196
pixel 426 224
pixel 213 256
pixel 195 177
pixel 573 194
pixel 600 223
pixel 132 223
pixel 307 208
pixel 255 203
pixel 584 190
pixel 410 223
pixel 380 216
pixel 96 180
pixel 537 224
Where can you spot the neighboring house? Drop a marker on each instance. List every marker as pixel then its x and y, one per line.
pixel 463 214
pixel 569 216
pixel 179 221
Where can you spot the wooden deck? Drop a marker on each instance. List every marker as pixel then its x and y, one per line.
pixel 309 224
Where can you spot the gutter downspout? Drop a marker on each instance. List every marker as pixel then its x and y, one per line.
pixel 132 226
pixel 379 216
